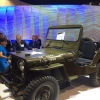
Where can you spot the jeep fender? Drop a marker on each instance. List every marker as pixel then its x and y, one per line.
pixel 96 58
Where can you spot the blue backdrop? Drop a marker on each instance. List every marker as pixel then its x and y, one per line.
pixel 29 20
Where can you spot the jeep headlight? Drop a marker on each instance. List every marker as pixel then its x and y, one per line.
pixel 9 59
pixel 21 65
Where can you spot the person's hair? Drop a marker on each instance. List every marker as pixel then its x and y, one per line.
pixel 18 35
pixel 3 40
pixel 33 35
pixel 1 33
pixel 37 35
pixel 5 36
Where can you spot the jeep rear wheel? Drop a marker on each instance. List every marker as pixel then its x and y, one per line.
pixel 42 88
pixel 95 77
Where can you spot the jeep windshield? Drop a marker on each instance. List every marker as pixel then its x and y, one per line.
pixel 70 35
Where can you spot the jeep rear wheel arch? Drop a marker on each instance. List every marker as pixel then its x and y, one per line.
pixel 41 85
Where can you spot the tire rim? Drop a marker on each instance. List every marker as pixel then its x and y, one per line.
pixel 98 75
pixel 44 93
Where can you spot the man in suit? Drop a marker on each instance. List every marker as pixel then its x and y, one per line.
pixel 38 41
pixel 19 45
pixel 35 44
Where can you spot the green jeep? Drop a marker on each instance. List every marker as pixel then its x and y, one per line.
pixel 43 72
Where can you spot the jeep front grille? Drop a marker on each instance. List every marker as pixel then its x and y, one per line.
pixel 15 68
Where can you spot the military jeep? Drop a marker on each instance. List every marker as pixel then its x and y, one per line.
pixel 41 73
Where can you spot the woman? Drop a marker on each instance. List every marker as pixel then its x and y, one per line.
pixel 8 46
pixel 3 55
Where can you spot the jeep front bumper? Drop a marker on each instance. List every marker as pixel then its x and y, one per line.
pixel 14 89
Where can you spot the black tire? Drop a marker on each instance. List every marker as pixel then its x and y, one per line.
pixel 8 74
pixel 4 73
pixel 7 70
pixel 85 39
pixel 42 88
pixel 88 39
pixel 95 77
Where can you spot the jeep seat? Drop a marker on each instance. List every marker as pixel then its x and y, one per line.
pixel 88 50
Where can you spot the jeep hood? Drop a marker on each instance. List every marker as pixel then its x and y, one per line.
pixel 33 54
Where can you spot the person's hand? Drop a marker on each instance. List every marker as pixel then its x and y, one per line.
pixel 36 48
pixel 11 49
pixel 33 49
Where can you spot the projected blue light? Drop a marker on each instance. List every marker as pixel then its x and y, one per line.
pixel 62 6
pixel 27 16
pixel 29 20
pixel 18 20
pixel 53 6
pixel 45 25
pixel 53 31
pixel 10 22
pixel 3 20
pixel 27 41
pixel 36 22
pixel 73 6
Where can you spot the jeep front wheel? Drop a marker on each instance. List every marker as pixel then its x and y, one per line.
pixel 42 88
pixel 95 77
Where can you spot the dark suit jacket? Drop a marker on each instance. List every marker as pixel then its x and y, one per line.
pixel 35 44
pixel 39 43
pixel 20 47
pixel 8 46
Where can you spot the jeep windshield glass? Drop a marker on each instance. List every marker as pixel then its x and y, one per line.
pixel 64 34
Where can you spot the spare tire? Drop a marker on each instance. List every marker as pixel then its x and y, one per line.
pixel 85 39
pixel 88 39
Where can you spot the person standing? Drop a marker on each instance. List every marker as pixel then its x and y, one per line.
pixel 8 46
pixel 19 45
pixel 3 55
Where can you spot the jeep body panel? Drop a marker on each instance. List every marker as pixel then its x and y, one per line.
pixel 96 58
pixel 66 45
pixel 31 55
pixel 51 57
